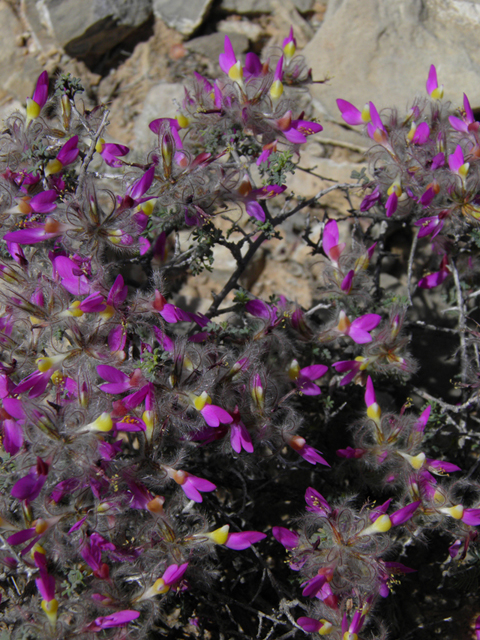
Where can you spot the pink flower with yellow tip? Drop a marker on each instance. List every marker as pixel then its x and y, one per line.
pixel 384 522
pixel 289 45
pixel 310 454
pixel 276 90
pixel 306 378
pixel 39 98
pixel 468 122
pixel 433 89
pixel 359 329
pixel 229 63
pixel 352 115
pixel 457 164
pixel 111 152
pixel 191 485
pixel 170 579
pixel 238 541
pixel 67 154
pixel 212 414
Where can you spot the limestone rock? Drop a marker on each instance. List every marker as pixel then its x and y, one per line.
pixel 212 46
pixel 260 6
pixel 87 28
pixel 161 102
pixel 382 51
pixel 18 71
pixel 183 15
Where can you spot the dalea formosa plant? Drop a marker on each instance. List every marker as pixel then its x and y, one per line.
pixel 145 443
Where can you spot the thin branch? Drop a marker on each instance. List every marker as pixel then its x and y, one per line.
pixel 461 322
pixel 88 158
pixel 411 258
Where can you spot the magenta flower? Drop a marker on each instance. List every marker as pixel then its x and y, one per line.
pixel 118 382
pixel 418 134
pixel 191 485
pixel 12 436
pixel 29 487
pixel 317 503
pixel 67 154
pixel 433 90
pixel 457 163
pixel 468 122
pixel 244 539
pixel 32 235
pixel 359 329
pixel 309 625
pixel 352 115
pixel 239 436
pixel 353 368
pixel 43 202
pixel 252 207
pixel 384 522
pixel 298 130
pixel 351 630
pixel 253 66
pixel 435 279
pixel 212 414
pixel 375 128
pixel 331 246
pixel 370 200
pixel 289 539
pixel 431 225
pixel 261 309
pixel 138 188
pixel 310 454
pixel 391 204
pixel 172 575
pixel 289 46
pixel 39 98
pixel 113 620
pixel 305 378
pixel 228 62
pixel 267 151
pixel 111 152
pixel 72 275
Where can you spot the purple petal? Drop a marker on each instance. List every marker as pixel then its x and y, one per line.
pixel 421 134
pixel 405 513
pixel 21 536
pixel 313 586
pixel 116 619
pixel 391 204
pixel 254 209
pixel 309 625
pixel 433 279
pixel 44 202
pixel 471 517
pixel 40 94
pixel 432 82
pixel 244 539
pixel 13 437
pixel 118 292
pixel 240 438
pixel 288 538
pixel 316 502
pixel 369 393
pixel 227 60
pixel 174 573
pixel 259 309
pixel 455 160
pixel 46 586
pixel 214 415
pixel 314 371
pixel 349 112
